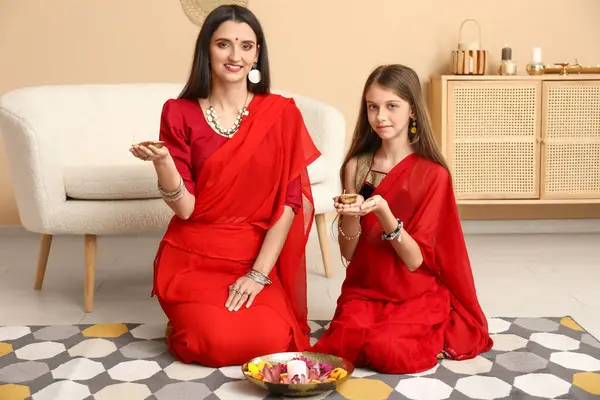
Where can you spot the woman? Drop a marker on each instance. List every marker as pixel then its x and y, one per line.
pixel 409 293
pixel 230 273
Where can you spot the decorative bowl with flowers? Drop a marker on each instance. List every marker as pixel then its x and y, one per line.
pixel 298 374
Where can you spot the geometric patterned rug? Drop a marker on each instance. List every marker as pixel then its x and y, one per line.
pixel 533 358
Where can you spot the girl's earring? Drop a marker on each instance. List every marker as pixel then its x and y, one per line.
pixel 413 126
pixel 254 75
pixel 412 135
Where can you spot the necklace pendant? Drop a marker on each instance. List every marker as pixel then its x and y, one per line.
pixel 213 120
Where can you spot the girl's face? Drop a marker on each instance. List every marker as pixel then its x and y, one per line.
pixel 388 114
pixel 233 51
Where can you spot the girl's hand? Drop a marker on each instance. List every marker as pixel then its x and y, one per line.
pixel 361 207
pixel 341 208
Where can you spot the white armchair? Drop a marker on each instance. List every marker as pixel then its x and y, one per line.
pixel 327 128
pixel 67 149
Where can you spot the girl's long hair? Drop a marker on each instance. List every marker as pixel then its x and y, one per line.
pixel 404 82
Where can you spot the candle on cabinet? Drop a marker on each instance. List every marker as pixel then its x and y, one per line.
pixel 507 66
pixel 536 55
pixel 536 67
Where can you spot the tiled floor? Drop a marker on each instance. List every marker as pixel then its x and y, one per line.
pixel 549 275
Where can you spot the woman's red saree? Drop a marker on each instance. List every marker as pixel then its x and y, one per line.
pixel 240 194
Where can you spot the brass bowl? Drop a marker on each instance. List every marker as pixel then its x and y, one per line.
pixel 535 69
pixel 156 143
pixel 300 390
pixel 348 198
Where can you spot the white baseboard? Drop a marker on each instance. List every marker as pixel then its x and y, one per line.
pixel 545 226
pixel 14 230
pixel 542 226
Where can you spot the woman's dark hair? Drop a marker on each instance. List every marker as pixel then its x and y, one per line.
pixel 199 81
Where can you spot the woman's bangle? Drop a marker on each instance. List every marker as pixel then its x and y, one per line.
pixel 175 195
pixel 259 277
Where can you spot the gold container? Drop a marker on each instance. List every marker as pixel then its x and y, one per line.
pixel 570 69
pixel 589 69
pixel 348 198
pixel 300 390
pixel 535 69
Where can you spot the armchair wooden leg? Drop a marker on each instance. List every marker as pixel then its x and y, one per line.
pixel 324 243
pixel 90 272
pixel 45 244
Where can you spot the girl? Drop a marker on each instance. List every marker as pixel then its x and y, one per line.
pixel 409 293
pixel 230 272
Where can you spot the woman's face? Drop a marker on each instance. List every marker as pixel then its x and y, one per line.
pixel 233 51
pixel 388 113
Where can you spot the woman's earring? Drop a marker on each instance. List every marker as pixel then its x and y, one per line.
pixel 254 75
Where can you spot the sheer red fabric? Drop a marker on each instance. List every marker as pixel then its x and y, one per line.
pixel 240 190
pixel 397 321
pixel 191 141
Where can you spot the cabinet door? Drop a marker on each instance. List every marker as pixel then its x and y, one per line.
pixel 571 140
pixel 494 139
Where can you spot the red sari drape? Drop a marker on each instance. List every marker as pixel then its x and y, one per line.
pixel 398 321
pixel 240 194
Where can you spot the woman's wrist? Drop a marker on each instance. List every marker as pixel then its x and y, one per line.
pixel 350 221
pixel 263 270
pixel 161 162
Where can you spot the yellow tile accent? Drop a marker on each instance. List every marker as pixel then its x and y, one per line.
pixel 569 323
pixel 588 381
pixel 5 348
pixel 360 389
pixel 105 330
pixel 14 392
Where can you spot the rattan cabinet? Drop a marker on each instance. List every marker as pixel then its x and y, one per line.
pixel 520 139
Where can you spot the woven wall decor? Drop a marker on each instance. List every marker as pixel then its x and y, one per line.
pixel 197 10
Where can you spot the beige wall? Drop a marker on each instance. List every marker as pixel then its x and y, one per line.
pixel 319 48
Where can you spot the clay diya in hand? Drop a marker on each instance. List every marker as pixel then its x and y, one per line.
pixel 156 143
pixel 348 198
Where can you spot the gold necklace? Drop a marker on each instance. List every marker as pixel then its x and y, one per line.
pixel 213 119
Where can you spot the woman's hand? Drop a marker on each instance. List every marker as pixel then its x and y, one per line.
pixel 361 207
pixel 147 151
pixel 244 290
